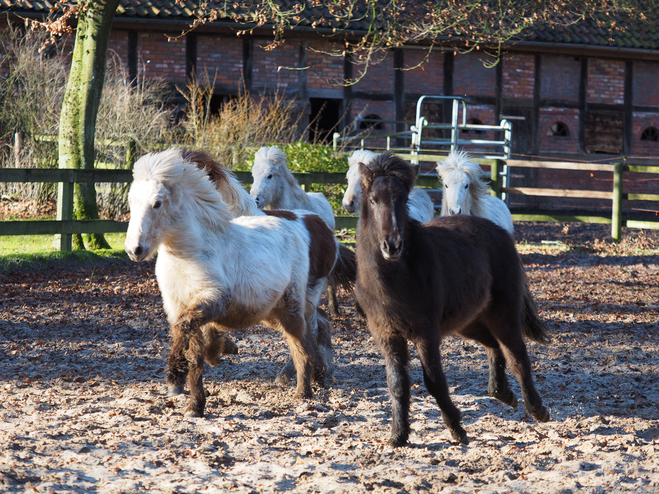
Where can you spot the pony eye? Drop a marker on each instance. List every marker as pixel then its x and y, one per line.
pixel 157 204
pixel 446 186
pixel 270 176
pixel 466 186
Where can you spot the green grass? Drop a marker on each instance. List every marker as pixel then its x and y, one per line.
pixel 41 244
pixel 38 252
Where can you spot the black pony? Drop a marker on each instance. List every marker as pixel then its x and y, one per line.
pixel 453 275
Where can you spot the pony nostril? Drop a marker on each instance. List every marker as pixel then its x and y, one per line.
pixel 352 204
pixel 138 250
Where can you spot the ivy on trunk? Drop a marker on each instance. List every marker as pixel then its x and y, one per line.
pixel 80 108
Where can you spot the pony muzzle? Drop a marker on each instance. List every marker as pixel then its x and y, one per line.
pixel 392 248
pixel 136 253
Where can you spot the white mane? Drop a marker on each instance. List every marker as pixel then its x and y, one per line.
pixel 469 193
pixel 189 185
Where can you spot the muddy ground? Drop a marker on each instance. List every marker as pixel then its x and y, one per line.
pixel 83 405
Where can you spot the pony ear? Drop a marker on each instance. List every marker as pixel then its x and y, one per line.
pixel 415 170
pixel 441 168
pixel 366 175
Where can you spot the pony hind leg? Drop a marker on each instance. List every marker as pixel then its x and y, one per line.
pixel 332 300
pixel 514 350
pixel 320 328
pixel 435 380
pixel 497 386
pixel 294 328
pixel 216 343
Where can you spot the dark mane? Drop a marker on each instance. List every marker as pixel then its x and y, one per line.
pixel 388 164
pixel 204 161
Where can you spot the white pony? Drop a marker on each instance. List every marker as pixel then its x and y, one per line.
pixel 215 270
pixel 241 203
pixel 465 192
pixel 419 204
pixel 275 187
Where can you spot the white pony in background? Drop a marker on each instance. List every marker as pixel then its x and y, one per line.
pixel 419 204
pixel 275 187
pixel 465 192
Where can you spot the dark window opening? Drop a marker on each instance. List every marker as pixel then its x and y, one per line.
pixel 218 101
pixel 324 120
pixel 473 121
pixel 558 129
pixel 372 121
pixel 604 131
pixel 650 134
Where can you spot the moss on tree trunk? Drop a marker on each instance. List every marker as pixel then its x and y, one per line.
pixel 80 107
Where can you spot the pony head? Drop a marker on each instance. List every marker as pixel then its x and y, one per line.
pixel 462 183
pixel 386 185
pixel 353 191
pixel 169 196
pixel 270 174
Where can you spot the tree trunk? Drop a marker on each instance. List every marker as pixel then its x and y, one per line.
pixel 81 101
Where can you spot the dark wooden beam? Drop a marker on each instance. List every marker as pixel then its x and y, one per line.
pixel 583 104
pixel 629 109
pixel 190 56
pixel 248 64
pixel 132 57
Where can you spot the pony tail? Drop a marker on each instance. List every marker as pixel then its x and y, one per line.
pixel 533 327
pixel 344 273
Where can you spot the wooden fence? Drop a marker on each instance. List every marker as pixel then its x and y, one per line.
pixel 66 226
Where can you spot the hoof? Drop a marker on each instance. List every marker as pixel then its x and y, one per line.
pixel 459 436
pixel 287 375
pixel 541 415
pixel 174 390
pixel 228 347
pixel 397 441
pixel 194 413
pixel 508 398
pixel 304 395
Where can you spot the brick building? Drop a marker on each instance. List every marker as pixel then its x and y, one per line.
pixel 571 93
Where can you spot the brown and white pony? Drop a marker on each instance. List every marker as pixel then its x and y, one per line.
pixel 216 270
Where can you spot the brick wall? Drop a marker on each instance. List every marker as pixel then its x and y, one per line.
pixel 325 71
pixel 560 78
pixel 559 144
pixel 471 77
pixel 606 81
pixel 646 75
pixel 427 78
pixel 642 121
pixel 383 109
pixel 275 69
pixel 162 59
pixel 118 47
pixel 221 58
pixel 518 76
pixel 378 78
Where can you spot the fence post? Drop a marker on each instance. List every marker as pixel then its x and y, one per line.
pixel 495 181
pixel 129 157
pixel 616 209
pixel 65 212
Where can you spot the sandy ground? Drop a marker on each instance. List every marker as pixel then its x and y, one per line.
pixel 83 405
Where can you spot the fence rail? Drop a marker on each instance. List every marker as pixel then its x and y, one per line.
pixel 66 226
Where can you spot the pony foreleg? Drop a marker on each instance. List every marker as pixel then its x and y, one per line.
pixel 435 380
pixel 187 358
pixel 332 301
pixel 396 358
